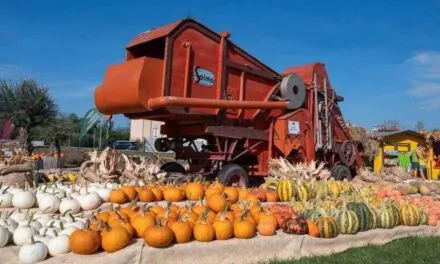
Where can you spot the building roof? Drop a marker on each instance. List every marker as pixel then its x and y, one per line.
pixel 410 132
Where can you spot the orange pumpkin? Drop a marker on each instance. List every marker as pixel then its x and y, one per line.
pixel 130 191
pixel 313 228
pixel 141 222
pixel 210 191
pixel 146 195
pixel 158 194
pixel 272 197
pixel 114 238
pixel 117 196
pixel 216 202
pixel 223 227
pixel 203 230
pixel 244 229
pixel 173 194
pixel 158 236
pixel 231 194
pixel 182 231
pixel 194 191
pixel 84 241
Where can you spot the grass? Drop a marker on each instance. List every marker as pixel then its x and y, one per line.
pixel 406 250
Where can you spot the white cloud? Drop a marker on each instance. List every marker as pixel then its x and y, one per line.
pixel 424 78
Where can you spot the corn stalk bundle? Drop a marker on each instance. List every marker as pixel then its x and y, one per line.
pixel 391 174
pixel 281 167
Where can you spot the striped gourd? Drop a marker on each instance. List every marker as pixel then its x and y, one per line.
pixel 327 227
pixel 347 221
pixel 409 215
pixel 334 188
pixel 286 190
pixel 395 213
pixel 363 214
pixel 423 218
pixel 302 193
pixel 311 214
pixel 385 218
pixel 373 223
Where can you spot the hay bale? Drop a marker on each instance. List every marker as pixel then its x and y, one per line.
pixel 17 179
pixel 358 133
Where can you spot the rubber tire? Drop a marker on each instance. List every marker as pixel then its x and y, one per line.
pixel 230 170
pixel 339 172
pixel 173 167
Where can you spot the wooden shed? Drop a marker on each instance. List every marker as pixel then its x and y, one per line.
pixel 397 144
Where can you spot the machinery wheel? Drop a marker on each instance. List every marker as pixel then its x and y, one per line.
pixel 340 172
pixel 173 167
pixel 162 144
pixel 233 173
pixel 347 153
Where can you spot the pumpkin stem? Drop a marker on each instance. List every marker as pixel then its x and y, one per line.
pixel 87 224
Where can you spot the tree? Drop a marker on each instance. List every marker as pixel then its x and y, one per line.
pixel 27 103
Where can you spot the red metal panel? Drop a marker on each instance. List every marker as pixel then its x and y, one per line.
pixel 306 73
pixel 203 48
pixel 154 34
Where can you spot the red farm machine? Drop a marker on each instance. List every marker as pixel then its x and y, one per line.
pixel 203 86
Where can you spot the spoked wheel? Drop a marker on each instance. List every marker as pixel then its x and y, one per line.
pixel 340 172
pixel 347 153
pixel 233 174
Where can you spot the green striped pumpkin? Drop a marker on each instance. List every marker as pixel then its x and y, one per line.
pixel 395 214
pixel 385 218
pixel 286 190
pixel 311 214
pixel 347 221
pixel 373 223
pixel 303 193
pixel 423 218
pixel 327 227
pixel 409 215
pixel 363 214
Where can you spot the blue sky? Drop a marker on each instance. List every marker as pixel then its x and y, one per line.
pixel 382 56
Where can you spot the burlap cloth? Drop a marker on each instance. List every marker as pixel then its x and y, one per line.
pixel 258 249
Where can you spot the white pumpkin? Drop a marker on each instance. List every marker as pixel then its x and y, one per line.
pixel 43 218
pixel 33 252
pixel 77 224
pixel 35 224
pixel 42 238
pixel 17 216
pixel 104 193
pixel 69 205
pixel 49 203
pixel 14 190
pixel 89 201
pixel 68 230
pixel 49 231
pixel 5 198
pixel 58 223
pixel 58 245
pixel 75 194
pixel 23 200
pixel 4 236
pixel 23 234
